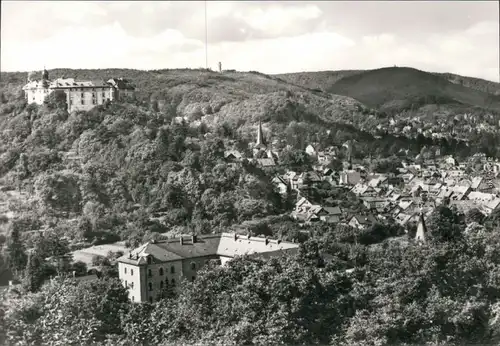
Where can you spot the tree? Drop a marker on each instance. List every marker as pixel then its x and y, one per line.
pixel 67 312
pixel 15 253
pixel 444 225
pixel 34 274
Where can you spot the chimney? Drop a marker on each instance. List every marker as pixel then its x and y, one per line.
pixel 235 236
pixel 194 238
pixel 181 240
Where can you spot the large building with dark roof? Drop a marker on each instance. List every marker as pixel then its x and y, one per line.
pixel 80 95
pixel 150 269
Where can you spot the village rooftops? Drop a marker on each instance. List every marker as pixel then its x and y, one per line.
pixel 225 245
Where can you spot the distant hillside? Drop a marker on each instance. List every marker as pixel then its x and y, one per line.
pixel 323 80
pixel 320 80
pixel 473 83
pixel 398 88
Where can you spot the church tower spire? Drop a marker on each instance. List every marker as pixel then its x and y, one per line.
pixel 260 135
pixel 421 229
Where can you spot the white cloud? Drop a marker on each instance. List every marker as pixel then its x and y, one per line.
pixel 470 51
pixel 277 20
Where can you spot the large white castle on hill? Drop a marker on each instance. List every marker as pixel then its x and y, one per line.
pixel 80 95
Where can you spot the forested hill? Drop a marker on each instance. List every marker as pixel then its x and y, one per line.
pixel 323 80
pixel 396 88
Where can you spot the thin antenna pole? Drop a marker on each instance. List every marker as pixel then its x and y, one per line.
pixel 206 37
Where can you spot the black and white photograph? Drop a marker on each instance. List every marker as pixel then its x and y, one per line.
pixel 249 173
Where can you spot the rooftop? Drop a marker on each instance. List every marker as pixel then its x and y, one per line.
pixel 225 244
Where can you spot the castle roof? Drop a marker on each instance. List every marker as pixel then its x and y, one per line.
pixel 64 83
pixel 121 83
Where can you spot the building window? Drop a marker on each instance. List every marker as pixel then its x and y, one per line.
pixel 81 95
pixel 150 273
pixel 133 298
pixel 151 300
pixel 172 269
pixel 173 282
pixel 193 266
pixel 161 271
pixel 193 277
pixel 131 285
pixel 126 283
pixel 161 285
pixel 125 270
pixel 166 282
pixel 149 260
pixel 83 101
pixel 103 94
pixel 131 272
pixel 150 285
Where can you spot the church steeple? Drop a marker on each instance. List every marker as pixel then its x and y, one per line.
pixel 260 136
pixel 421 229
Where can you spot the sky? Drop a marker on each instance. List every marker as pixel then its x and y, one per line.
pixel 270 36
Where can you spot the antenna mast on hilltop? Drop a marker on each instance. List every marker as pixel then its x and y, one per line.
pixel 206 37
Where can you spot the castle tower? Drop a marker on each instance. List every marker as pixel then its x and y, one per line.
pixel 45 74
pixel 421 229
pixel 45 78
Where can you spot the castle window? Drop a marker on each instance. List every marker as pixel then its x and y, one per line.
pixel 161 285
pixel 161 271
pixel 172 269
pixel 173 282
pixel 193 266
pixel 150 273
pixel 150 285
pixel 125 270
pixel 149 260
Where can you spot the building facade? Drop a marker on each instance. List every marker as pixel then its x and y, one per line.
pixel 80 95
pixel 149 270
